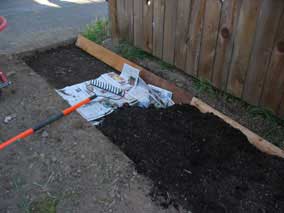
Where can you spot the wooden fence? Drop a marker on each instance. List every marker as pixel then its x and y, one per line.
pixel 237 45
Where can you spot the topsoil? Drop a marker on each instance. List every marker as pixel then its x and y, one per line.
pixel 194 160
pixel 67 65
pixel 197 161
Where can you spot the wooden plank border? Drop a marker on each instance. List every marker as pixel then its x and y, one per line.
pixel 180 95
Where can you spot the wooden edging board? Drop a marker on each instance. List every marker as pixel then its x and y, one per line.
pixel 180 96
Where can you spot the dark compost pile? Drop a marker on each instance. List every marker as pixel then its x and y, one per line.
pixel 197 160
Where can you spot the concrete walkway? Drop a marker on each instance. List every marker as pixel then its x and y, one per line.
pixel 38 23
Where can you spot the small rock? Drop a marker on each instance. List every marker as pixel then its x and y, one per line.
pixel 44 134
pixel 42 155
pixel 9 118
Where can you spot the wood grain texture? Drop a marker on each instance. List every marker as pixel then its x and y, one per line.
pixel 224 47
pixel 113 20
pixel 122 19
pixel 243 45
pixel 209 38
pixel 169 31
pixel 270 15
pixel 239 56
pixel 274 83
pixel 260 143
pixel 194 37
pixel 148 27
pixel 158 27
pixel 130 18
pixel 183 20
pixel 138 23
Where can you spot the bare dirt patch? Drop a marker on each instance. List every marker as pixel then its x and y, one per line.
pixel 66 65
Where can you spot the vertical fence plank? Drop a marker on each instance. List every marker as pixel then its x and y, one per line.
pixel 158 27
pixel 122 19
pixel 243 45
pixel 183 15
pixel 148 26
pixel 267 28
pixel 224 48
pixel 130 14
pixel 194 36
pixel 209 38
pixel 169 31
pixel 138 23
pixel 113 20
pixel 274 83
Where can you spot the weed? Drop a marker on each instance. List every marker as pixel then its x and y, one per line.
pixel 130 52
pixel 98 31
pixel 261 112
pixel 25 205
pixel 204 86
pixel 164 65
pixel 45 205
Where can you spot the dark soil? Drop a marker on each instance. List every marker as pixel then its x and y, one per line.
pixel 194 159
pixel 197 161
pixel 67 65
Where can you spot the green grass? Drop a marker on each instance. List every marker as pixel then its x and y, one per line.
pixel 45 205
pixel 266 114
pixel 204 86
pixel 130 52
pixel 98 31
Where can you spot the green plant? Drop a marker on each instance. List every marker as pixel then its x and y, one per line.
pixel 204 86
pixel 98 31
pixel 164 65
pixel 130 52
pixel 261 112
pixel 45 205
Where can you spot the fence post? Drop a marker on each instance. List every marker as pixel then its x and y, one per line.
pixel 113 21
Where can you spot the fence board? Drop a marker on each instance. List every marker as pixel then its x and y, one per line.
pixel 169 31
pixel 209 38
pixel 130 25
pixel 238 45
pixel 243 45
pixel 224 47
pixel 138 23
pixel 274 84
pixel 113 20
pixel 122 19
pixel 267 27
pixel 183 20
pixel 148 26
pixel 194 35
pixel 158 27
